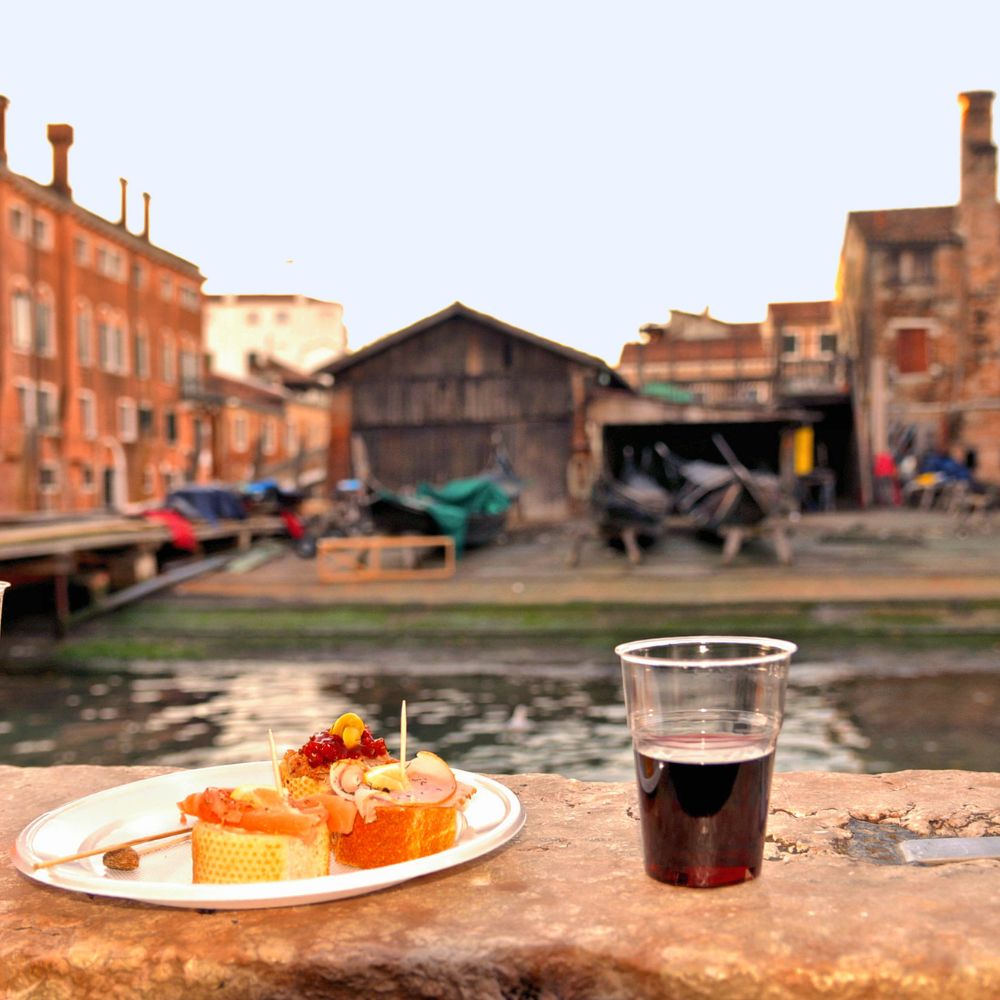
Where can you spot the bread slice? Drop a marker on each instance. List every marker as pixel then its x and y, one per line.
pixel 301 786
pixel 398 833
pixel 225 854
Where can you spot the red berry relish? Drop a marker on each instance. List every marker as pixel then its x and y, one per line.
pixel 325 748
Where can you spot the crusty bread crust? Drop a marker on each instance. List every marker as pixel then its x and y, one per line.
pixel 225 855
pixel 398 833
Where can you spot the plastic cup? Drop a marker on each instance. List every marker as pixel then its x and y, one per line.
pixel 704 713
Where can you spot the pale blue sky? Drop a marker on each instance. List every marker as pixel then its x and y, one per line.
pixel 576 169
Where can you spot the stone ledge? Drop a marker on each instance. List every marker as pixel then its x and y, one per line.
pixel 563 911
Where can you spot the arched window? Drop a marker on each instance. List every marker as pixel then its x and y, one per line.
pixel 45 322
pixel 84 333
pixel 20 318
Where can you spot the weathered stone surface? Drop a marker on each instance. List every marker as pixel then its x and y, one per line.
pixel 564 911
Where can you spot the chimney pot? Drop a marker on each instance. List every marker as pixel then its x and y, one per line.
pixel 145 215
pixel 61 137
pixel 124 185
pixel 3 130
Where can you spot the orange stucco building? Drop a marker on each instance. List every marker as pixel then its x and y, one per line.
pixel 100 336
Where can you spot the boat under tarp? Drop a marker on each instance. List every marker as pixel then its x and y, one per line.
pixel 472 511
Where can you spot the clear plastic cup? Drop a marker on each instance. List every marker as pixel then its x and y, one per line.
pixel 704 713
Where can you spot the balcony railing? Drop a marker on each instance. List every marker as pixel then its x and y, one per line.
pixel 813 375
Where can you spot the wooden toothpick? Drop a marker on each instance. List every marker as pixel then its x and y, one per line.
pixel 110 847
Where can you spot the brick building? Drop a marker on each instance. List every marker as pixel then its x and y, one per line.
pixel 273 424
pixel 919 301
pixel 100 330
pixel 698 358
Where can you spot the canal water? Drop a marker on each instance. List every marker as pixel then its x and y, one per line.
pixel 862 711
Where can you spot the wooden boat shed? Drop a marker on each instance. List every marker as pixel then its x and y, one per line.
pixel 432 401
pixel 760 435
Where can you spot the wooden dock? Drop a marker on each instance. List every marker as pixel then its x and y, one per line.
pixel 108 554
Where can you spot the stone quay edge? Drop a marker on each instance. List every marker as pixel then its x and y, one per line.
pixel 562 911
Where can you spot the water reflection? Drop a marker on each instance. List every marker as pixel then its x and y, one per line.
pixel 863 715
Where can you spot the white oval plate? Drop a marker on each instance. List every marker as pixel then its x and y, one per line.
pixel 493 816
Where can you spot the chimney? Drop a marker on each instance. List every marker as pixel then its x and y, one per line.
pixel 124 184
pixel 145 216
pixel 61 137
pixel 979 154
pixel 3 130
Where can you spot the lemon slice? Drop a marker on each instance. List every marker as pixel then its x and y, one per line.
pixel 349 720
pixel 387 777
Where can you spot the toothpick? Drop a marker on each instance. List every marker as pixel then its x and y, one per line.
pixel 402 745
pixel 109 847
pixel 274 765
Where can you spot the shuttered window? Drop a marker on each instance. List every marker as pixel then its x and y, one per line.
pixel 912 352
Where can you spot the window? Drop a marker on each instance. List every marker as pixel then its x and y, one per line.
pixel 112 349
pixel 84 335
pixel 18 222
pixel 48 408
pixel 166 289
pixel 86 478
pixel 41 232
pixel 240 432
pixel 827 342
pixel 190 374
pixel 21 320
pixel 26 405
pixel 138 276
pixel 912 351
pixel 81 254
pixel 190 299
pixel 169 360
pixel 88 413
pixel 789 344
pixel 120 349
pixel 104 346
pixel 281 317
pixel 45 342
pixel 142 354
pixel 269 440
pixel 291 438
pixel 110 262
pixel 252 319
pixel 170 426
pixel 48 477
pixel 910 267
pixel 127 422
pixel 147 418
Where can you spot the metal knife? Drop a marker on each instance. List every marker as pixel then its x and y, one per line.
pixel 939 850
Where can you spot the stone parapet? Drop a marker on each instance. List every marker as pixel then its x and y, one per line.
pixel 563 911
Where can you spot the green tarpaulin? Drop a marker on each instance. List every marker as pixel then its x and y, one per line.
pixel 452 503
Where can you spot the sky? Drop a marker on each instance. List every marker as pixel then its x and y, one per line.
pixel 576 169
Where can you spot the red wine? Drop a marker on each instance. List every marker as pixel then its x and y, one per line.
pixel 703 802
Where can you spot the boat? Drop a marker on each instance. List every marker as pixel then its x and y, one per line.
pixel 630 509
pixel 473 510
pixel 717 497
pixel 400 514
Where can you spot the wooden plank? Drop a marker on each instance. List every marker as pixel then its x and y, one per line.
pixel 343 560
